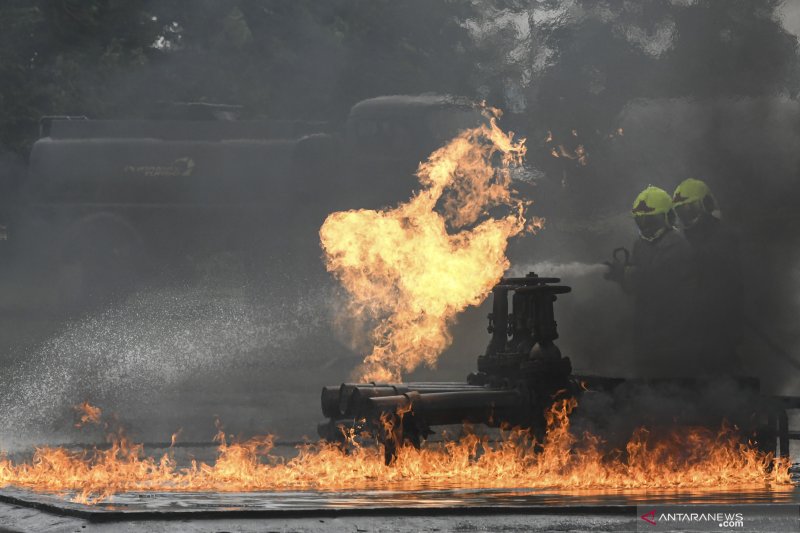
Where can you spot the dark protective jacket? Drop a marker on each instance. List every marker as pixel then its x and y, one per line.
pixel 662 279
pixel 718 311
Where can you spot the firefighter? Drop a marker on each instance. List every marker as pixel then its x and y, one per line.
pixel 718 311
pixel 660 277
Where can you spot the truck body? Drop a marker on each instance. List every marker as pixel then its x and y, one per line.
pixel 111 195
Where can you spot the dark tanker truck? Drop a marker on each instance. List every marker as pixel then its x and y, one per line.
pixel 114 199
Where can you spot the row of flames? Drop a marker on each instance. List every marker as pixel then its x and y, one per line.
pixel 409 270
pixel 694 458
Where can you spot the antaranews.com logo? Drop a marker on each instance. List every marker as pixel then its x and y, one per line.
pixel 747 517
pixel 725 520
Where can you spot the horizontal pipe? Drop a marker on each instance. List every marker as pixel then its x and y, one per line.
pixel 487 406
pixel 351 400
pixel 411 385
pixel 447 400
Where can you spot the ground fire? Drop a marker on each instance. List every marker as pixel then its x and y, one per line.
pixel 409 271
pixel 693 458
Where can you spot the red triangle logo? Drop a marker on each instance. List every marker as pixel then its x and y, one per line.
pixel 650 517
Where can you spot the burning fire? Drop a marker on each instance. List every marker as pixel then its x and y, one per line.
pixel 409 270
pixel 693 458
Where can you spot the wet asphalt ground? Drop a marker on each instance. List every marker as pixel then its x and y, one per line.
pixel 15 518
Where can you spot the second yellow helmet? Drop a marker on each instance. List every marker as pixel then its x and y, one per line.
pixel 690 190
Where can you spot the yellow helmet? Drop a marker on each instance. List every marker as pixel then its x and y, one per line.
pixel 691 190
pixel 652 201
pixel 693 202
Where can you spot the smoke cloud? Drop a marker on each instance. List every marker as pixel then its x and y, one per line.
pixel 700 89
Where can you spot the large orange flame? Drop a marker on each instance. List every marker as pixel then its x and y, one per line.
pixel 687 458
pixel 412 268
